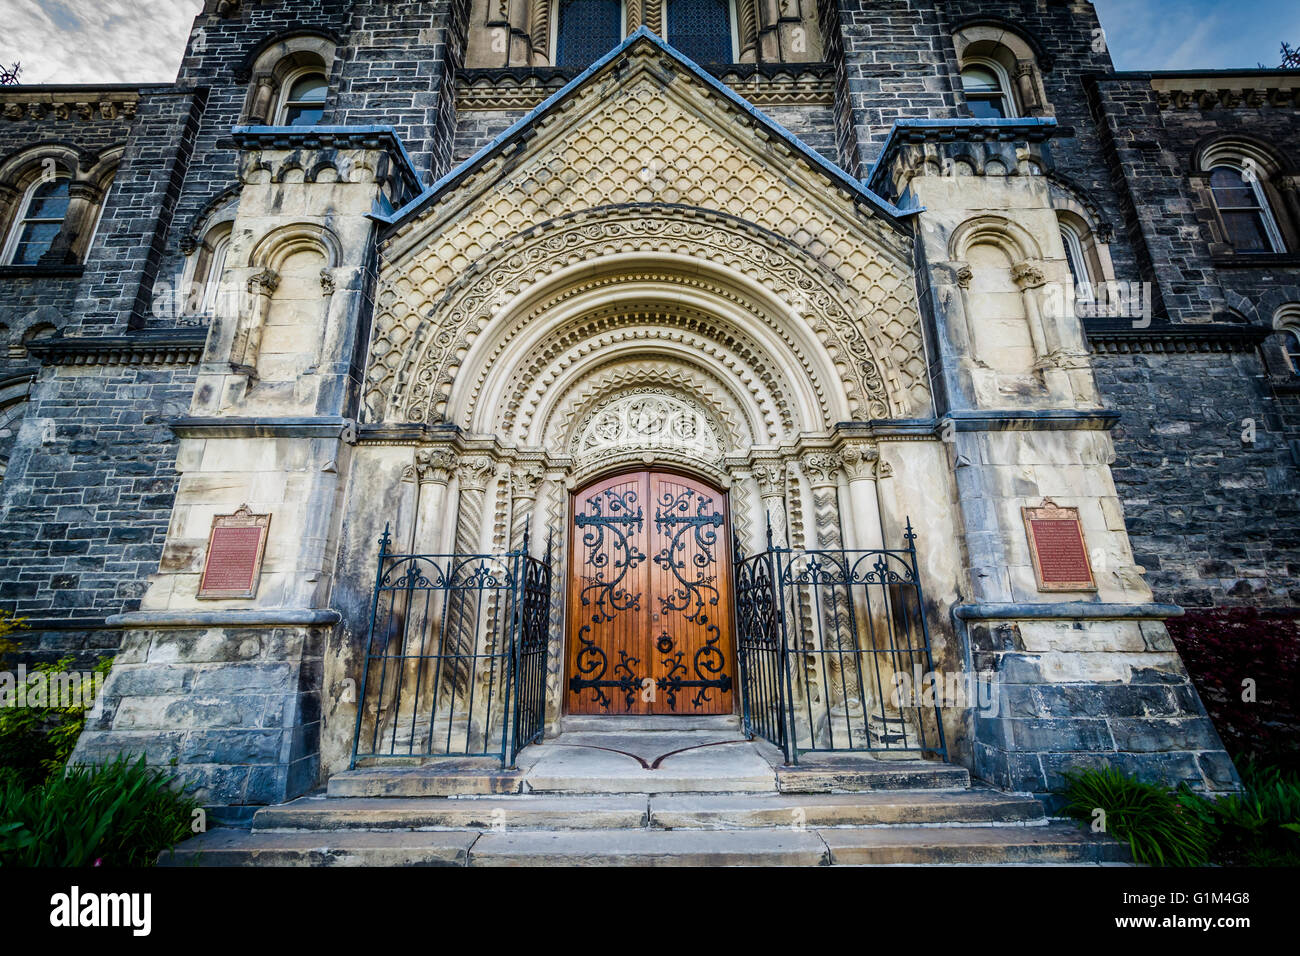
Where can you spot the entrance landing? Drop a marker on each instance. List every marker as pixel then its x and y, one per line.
pixel 650 754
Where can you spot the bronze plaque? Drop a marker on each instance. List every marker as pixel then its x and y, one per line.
pixel 234 561
pixel 1059 551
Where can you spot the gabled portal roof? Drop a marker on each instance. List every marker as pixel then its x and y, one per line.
pixel 521 131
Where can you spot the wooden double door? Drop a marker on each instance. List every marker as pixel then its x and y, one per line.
pixel 650 598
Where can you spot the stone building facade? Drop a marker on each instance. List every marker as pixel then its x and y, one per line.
pixel 438 267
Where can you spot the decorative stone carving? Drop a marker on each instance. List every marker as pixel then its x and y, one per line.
pixel 327 282
pixel 822 467
pixel 859 459
pixel 263 283
pixel 434 465
pixel 771 479
pixel 1028 274
pixel 525 479
pixel 964 276
pixel 647 419
pixel 475 473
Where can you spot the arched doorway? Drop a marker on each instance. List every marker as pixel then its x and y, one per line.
pixel 649 629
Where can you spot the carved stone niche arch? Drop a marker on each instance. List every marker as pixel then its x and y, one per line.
pixel 424 350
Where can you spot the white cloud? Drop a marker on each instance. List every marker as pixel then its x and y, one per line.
pixel 96 41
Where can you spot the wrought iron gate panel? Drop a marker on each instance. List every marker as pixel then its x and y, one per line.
pixel 821 636
pixel 455 662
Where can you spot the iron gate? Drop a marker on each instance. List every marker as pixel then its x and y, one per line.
pixel 821 636
pixel 455 662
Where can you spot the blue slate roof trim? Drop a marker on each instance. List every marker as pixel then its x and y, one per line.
pixel 312 136
pixel 891 212
pixel 1033 127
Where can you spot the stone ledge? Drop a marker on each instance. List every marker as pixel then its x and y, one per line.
pixel 189 426
pixel 1068 610
pixel 242 617
pixel 174 347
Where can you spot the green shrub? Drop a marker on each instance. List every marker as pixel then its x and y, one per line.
pixel 1259 827
pixel 36 742
pixel 8 624
pixel 117 814
pixel 1159 830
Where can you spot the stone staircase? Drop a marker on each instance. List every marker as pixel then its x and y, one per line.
pixel 652 792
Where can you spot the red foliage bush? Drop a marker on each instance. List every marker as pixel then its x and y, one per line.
pixel 1223 648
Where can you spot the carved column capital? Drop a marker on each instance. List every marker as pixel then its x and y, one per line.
pixel 525 480
pixel 822 468
pixel 475 472
pixel 264 282
pixel 770 476
pixel 1028 274
pixel 860 459
pixel 435 465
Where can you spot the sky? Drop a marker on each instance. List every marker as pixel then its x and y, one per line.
pixel 140 41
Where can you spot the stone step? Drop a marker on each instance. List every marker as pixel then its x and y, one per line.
pixel 427 781
pixel 600 724
pixel 847 773
pixel 650 848
pixel 414 813
pixel 885 808
pixel 340 848
pixel 1054 843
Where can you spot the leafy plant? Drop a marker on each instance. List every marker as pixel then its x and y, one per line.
pixel 1150 819
pixel 122 813
pixel 1259 827
pixel 36 741
pixel 8 624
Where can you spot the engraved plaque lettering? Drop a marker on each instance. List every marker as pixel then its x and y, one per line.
pixel 1058 549
pixel 234 561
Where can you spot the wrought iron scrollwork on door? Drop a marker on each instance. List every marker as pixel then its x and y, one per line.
pixel 680 518
pixel 613 518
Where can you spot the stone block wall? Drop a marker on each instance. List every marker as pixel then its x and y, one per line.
pixel 236 709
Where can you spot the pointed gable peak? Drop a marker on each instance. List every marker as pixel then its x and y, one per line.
pixel 642 54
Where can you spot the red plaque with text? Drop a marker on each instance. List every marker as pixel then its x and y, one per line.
pixel 234 561
pixel 1058 549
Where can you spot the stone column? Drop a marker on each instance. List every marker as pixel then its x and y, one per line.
pixel 259 114
pixel 248 340
pixel 433 469
pixel 770 475
pixel 539 29
pixel 525 480
pixel 1027 88
pixel 860 459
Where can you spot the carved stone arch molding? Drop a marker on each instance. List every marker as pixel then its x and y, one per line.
pixel 423 336
pixel 559 423
pixel 677 334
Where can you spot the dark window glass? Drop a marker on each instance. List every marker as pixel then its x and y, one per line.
pixel 701 29
pixel 1240 209
pixel 588 29
pixel 41 222
pixel 1291 343
pixel 984 93
pixel 305 105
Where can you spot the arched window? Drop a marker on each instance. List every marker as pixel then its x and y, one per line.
pixel 701 29
pixel 1248 222
pixel 988 91
pixel 586 30
pixel 38 223
pixel 1291 346
pixel 304 100
pixel 207 265
pixel 1074 257
pixel 11 417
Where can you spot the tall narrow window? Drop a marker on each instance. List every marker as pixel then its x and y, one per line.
pixel 304 100
pixel 1243 207
pixel 39 220
pixel 1074 257
pixel 587 30
pixel 1291 346
pixel 701 29
pixel 987 92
